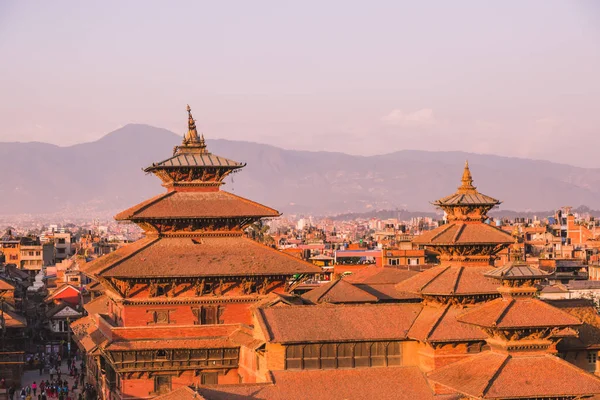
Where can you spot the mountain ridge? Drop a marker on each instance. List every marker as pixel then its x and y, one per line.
pixel 105 176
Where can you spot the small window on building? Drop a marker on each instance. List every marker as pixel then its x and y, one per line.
pixel 592 357
pixel 328 355
pixel 394 261
pixel 362 354
pixel 293 357
pixel 161 355
pixel 378 350
pixel 209 378
pixel 311 356
pixel 162 384
pixel 210 315
pixel 345 355
pixel 394 353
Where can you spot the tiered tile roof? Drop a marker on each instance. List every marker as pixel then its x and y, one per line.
pixel 492 375
pixel 455 281
pixel 301 324
pixel 392 383
pixel 189 257
pixel 196 205
pixel 508 312
pixel 338 291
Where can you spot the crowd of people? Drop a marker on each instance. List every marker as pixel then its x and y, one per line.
pixel 57 387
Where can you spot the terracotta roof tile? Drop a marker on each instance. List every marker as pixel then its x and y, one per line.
pixel 464 233
pixel 97 306
pixel 5 285
pixel 392 383
pixel 195 160
pixel 207 256
pixel 450 281
pixel 14 320
pixel 86 333
pixel 517 313
pixel 339 322
pixel 122 253
pixel 516 271
pixel 183 393
pixel 338 291
pixel 493 375
pixel 196 204
pixel 172 343
pixel 388 292
pixel 380 275
pixel 438 324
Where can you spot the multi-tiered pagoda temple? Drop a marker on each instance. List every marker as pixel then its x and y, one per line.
pixel 192 279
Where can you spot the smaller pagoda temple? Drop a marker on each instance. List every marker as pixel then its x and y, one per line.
pixel 467 247
pixel 522 335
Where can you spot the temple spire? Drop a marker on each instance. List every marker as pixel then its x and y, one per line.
pixel 191 137
pixel 467 179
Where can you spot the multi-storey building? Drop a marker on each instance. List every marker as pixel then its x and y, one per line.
pixel 193 279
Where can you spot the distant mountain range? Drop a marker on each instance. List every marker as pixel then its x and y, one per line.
pixel 106 176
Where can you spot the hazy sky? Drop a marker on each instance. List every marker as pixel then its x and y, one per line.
pixel 364 77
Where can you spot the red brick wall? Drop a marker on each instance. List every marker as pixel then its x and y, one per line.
pixel 140 315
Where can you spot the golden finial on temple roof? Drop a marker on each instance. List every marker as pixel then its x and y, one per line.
pixel 467 179
pixel 191 137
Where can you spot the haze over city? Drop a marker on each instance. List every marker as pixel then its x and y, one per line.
pixel 509 78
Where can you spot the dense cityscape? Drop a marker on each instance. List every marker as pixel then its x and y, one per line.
pixel 210 295
pixel 315 200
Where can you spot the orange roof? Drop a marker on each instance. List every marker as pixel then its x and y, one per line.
pixel 14 320
pixel 492 375
pixel 444 281
pixel 5 285
pixel 87 334
pixel 439 324
pixel 206 256
pixel 183 393
pixel 380 275
pixel 97 306
pixel 457 233
pixel 387 292
pixel 508 312
pixel 172 343
pixel 338 322
pixel 338 291
pixel 196 204
pixel 391 383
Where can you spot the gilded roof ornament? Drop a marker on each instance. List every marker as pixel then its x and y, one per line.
pixel 191 137
pixel 467 180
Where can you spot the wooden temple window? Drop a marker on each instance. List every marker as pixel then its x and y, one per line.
pixel 208 315
pixel 346 355
pixel 362 354
pixel 162 384
pixel 329 356
pixel 160 317
pixel 378 354
pixel 181 355
pixel 343 355
pixel 474 348
pixel 161 355
pixel 311 356
pixel 394 353
pixel 209 378
pixel 230 357
pixel 144 356
pixel 293 356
